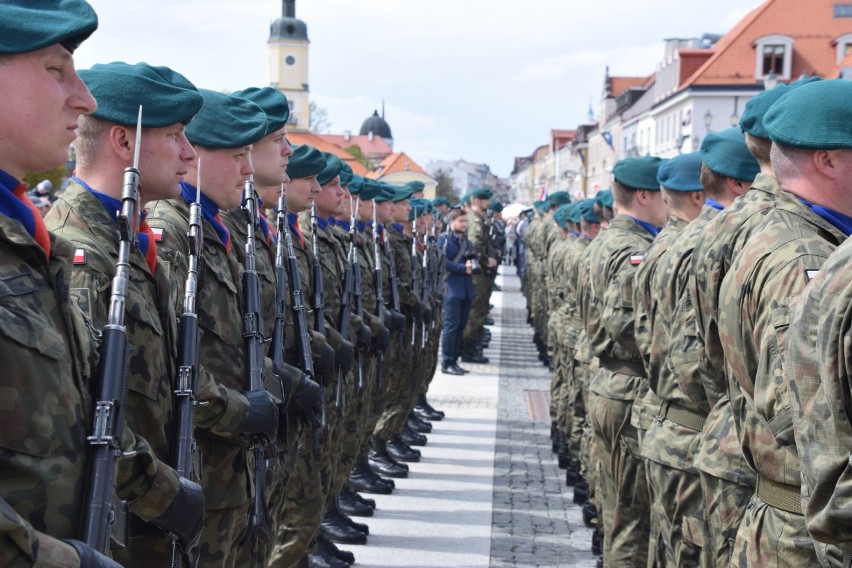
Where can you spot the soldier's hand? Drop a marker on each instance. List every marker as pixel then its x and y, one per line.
pixel 91 558
pixel 344 355
pixel 417 310
pixel 492 262
pixel 382 339
pixel 185 516
pixel 324 365
pixel 428 316
pixel 364 337
pixel 397 321
pixel 308 397
pixel 263 415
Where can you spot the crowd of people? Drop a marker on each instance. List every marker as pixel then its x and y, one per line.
pixel 696 320
pixel 215 342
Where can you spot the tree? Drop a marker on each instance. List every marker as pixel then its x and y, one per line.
pixel 446 187
pixel 319 118
pixel 356 151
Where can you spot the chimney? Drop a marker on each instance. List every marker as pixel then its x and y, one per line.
pixel 370 136
pixel 347 134
pixel 289 8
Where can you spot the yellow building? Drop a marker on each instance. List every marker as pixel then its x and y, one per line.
pixel 288 64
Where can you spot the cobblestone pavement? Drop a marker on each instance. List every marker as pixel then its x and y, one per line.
pixel 487 492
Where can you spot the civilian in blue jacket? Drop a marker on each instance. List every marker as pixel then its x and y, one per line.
pixel 458 289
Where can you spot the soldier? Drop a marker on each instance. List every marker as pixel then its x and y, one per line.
pixel 811 160
pixel 617 382
pixel 458 289
pixel 684 195
pixel 43 338
pixel 86 215
pixel 726 479
pixel 477 234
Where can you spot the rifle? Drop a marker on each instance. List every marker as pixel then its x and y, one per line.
pixel 297 305
pixel 258 519
pixel 356 285
pixel 103 514
pixel 344 320
pixel 425 290
pixel 185 455
pixel 319 301
pixel 415 275
pixel 380 298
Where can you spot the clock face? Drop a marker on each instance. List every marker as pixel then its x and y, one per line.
pixel 290 60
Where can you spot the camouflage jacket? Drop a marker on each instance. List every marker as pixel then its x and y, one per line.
pixel 401 247
pixel 222 377
pixel 556 258
pixel 817 370
pixel 344 239
pixel 477 234
pixel 151 328
pixel 575 331
pixel 610 326
pixel 755 305
pixel 586 308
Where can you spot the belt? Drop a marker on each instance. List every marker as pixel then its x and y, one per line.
pixel 780 495
pixel 683 416
pixel 634 368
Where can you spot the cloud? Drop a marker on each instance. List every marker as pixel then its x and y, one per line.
pixel 628 60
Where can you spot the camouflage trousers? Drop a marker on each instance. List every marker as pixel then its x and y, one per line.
pixel 483 286
pixel 772 538
pixel 221 536
pixel 676 499
pixel 624 487
pixel 590 464
pixel 400 385
pixel 724 507
pixel 302 512
pixel 349 432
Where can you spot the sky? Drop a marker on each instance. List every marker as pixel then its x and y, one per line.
pixel 460 79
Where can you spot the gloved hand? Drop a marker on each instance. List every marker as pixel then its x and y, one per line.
pixel 324 365
pixel 398 321
pixel 417 310
pixel 428 316
pixel 185 515
pixel 344 355
pixel 364 337
pixel 382 339
pixel 308 397
pixel 263 415
pixel 91 558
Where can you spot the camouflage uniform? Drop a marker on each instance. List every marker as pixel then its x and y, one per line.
pixel 726 479
pixel 222 378
pixel 673 437
pixel 559 404
pixel 754 315
pixel 817 365
pixel 610 328
pixel 151 331
pixel 665 482
pixel 477 234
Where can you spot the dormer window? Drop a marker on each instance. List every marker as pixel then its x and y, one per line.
pixel 844 47
pixel 774 56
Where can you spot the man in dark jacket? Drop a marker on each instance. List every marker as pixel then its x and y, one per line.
pixel 458 289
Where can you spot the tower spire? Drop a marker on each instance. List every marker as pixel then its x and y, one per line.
pixel 383 108
pixel 288 8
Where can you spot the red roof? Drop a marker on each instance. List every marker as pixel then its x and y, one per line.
pixel 620 84
pixel 562 137
pixel 319 142
pixel 396 162
pixel 811 24
pixel 375 148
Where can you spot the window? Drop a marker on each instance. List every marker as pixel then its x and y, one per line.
pixel 844 46
pixel 774 54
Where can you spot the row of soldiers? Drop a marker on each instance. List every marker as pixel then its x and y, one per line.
pixel 699 340
pixel 214 340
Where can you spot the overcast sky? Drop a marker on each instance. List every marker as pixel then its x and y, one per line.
pixel 482 81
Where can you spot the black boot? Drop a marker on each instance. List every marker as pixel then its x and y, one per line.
pixel 349 504
pixel 590 514
pixel 371 503
pixel 335 529
pixel 418 424
pixel 322 558
pixel 563 459
pixel 598 542
pixel 431 408
pixel 412 438
pixel 425 412
pixel 400 451
pixel 581 491
pixel 470 355
pixel 362 478
pixel 332 549
pixel 382 463
pixel 572 474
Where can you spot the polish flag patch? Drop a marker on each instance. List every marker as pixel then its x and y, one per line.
pixel 636 259
pixel 811 274
pixel 79 256
pixel 159 234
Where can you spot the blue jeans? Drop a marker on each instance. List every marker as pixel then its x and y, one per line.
pixel 456 312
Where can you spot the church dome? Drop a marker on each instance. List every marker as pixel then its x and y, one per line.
pixel 377 125
pixel 288 26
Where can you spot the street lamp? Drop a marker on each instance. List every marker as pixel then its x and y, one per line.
pixel 708 120
pixel 770 81
pixel 735 118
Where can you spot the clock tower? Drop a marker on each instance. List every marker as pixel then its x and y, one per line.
pixel 288 64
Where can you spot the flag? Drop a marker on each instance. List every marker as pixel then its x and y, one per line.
pixel 607 136
pixel 542 192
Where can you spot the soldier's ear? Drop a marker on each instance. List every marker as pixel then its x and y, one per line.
pixel 121 141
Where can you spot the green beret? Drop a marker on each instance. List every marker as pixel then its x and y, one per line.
pixel 752 119
pixel 725 153
pixel 638 173
pixel 541 206
pixel 355 184
pixel 482 193
pixel 26 25
pixel 419 207
pixel 370 188
pixel 416 186
pixel 559 198
pixel 495 206
pixel 226 122
pixel 465 199
pixel 333 164
pixel 681 173
pixel 387 193
pixel 562 214
pixel 585 211
pixel 305 162
pixel 440 201
pixel 402 193
pixel 604 198
pixel 346 174
pixel 815 116
pixel 272 101
pixel 166 97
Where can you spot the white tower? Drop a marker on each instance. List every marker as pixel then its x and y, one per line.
pixel 288 64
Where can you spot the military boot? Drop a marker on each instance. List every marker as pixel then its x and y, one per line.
pixel 418 424
pixel 383 464
pixel 412 438
pixel 399 451
pixel 332 549
pixel 363 478
pixel 348 503
pixel 335 529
